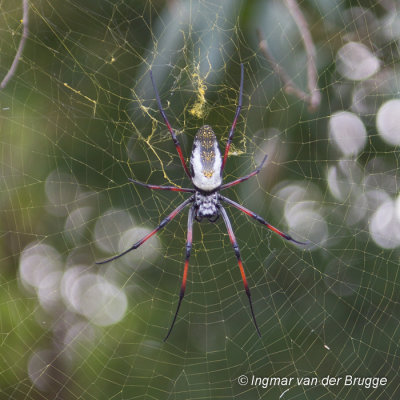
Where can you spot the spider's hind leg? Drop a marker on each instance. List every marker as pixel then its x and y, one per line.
pixel 158 187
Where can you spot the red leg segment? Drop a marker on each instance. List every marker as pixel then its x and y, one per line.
pixel 164 222
pixel 244 178
pixel 237 253
pixel 174 138
pixel 261 220
pixel 173 188
pixel 185 270
pixel 239 107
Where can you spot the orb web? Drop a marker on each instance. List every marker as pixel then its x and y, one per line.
pixel 79 118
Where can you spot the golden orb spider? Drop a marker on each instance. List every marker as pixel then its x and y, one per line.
pixel 206 168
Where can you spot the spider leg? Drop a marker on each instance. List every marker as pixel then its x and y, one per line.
pixel 174 138
pixel 244 178
pixel 228 143
pixel 237 253
pixel 261 220
pixel 173 188
pixel 164 222
pixel 185 270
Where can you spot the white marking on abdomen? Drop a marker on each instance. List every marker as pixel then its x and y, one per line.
pixel 202 182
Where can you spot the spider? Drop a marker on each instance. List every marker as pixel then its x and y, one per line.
pixel 206 169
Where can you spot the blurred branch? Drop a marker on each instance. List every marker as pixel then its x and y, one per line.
pixel 388 5
pixel 290 87
pixel 313 98
pixel 21 46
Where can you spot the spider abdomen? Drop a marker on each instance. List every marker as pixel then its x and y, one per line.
pixel 206 161
pixel 206 205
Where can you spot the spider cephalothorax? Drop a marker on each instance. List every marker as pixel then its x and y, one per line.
pixel 206 206
pixel 206 169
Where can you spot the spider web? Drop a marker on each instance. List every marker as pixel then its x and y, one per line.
pixel 79 118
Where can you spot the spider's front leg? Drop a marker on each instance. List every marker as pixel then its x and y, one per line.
pixel 239 259
pixel 164 222
pixel 261 220
pixel 185 270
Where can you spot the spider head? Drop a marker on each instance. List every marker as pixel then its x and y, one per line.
pixel 206 161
